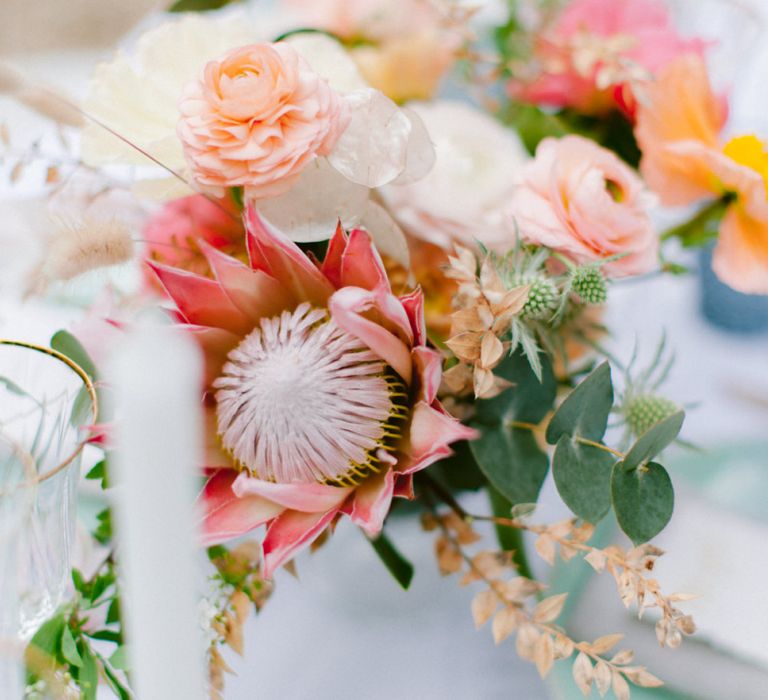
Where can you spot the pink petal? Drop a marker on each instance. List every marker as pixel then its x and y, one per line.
pixel 225 516
pixel 201 301
pixel 307 498
pixel 274 253
pixel 429 369
pixel 254 292
pixel 413 304
pixel 431 431
pixel 371 501
pixel 331 266
pixel 361 265
pixel 347 306
pixel 404 486
pixel 290 532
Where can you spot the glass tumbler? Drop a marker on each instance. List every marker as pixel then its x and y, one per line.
pixel 45 402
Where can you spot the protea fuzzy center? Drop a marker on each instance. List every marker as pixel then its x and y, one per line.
pixel 301 400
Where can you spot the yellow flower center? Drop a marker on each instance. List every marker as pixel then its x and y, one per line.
pixel 750 152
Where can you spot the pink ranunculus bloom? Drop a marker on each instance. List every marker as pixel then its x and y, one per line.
pixel 256 118
pixel 594 51
pixel 320 388
pixel 581 200
pixel 172 233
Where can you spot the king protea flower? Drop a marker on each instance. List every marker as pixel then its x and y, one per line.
pixel 320 388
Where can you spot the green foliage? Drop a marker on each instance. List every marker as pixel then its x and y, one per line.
pixel 703 227
pixel 643 500
pixel 510 538
pixel 459 472
pixel 65 343
pixel 654 440
pixel 533 124
pixel 397 565
pixel 199 5
pixel 99 472
pixel 103 531
pixel 509 455
pixel 582 475
pixel 584 413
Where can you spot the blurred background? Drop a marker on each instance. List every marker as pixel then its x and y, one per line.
pixel 343 629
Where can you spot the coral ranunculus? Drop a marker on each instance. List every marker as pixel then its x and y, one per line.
pixel 679 124
pixel 320 388
pixel 584 202
pixel 256 119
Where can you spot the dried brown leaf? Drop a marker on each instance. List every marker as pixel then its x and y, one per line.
pixel 5 135
pixel 549 609
pixel 16 172
pixel 545 546
pixel 602 677
pixel 625 656
pixel 491 350
pixel 620 686
pixel 448 557
pixel 527 637
pixel 564 647
pixel 604 643
pixel 505 622
pixel 241 604
pixel 51 174
pixel 484 604
pixel 583 673
pixel 544 655
pixel 644 678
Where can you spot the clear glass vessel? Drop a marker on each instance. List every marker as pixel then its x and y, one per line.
pixel 45 402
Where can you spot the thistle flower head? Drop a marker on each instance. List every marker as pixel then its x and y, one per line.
pixel 589 283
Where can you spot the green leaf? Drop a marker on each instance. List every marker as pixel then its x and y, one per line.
pixel 397 565
pixel 103 532
pixel 68 345
pixel 509 456
pixel 107 636
pixel 654 440
pixel 703 227
pixel 510 538
pixel 12 387
pixel 88 675
pixel 113 612
pixel 459 472
pixel 513 462
pixel 528 400
pixel 198 5
pixel 585 411
pixel 643 499
pixel 47 639
pixel 69 648
pixel 100 471
pixel 582 475
pixel 119 659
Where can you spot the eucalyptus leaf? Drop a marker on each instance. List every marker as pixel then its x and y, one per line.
pixel 585 411
pixel 397 565
pixel 47 639
pixel 654 440
pixel 582 475
pixel 88 675
pixel 643 500
pixel 513 462
pixel 119 659
pixel 66 343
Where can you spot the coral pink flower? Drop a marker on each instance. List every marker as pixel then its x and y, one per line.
pixel 256 119
pixel 581 200
pixel 172 233
pixel 595 49
pixel 679 124
pixel 320 388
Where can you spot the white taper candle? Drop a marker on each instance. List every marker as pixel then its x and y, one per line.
pixel 156 380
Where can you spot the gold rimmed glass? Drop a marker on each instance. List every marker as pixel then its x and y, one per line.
pixel 46 400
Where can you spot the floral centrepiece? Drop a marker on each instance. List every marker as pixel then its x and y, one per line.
pixel 323 389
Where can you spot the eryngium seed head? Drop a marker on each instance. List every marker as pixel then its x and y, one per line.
pixel 589 284
pixel 644 411
pixel 542 297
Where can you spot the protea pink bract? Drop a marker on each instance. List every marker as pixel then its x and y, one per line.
pixel 320 389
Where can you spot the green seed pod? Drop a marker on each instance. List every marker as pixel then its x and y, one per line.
pixel 589 284
pixel 542 297
pixel 644 411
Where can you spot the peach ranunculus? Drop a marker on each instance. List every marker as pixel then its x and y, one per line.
pixel 402 48
pixel 256 119
pixel 580 200
pixel 594 51
pixel 679 124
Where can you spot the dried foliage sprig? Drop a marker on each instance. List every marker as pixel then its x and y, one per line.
pixel 512 603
